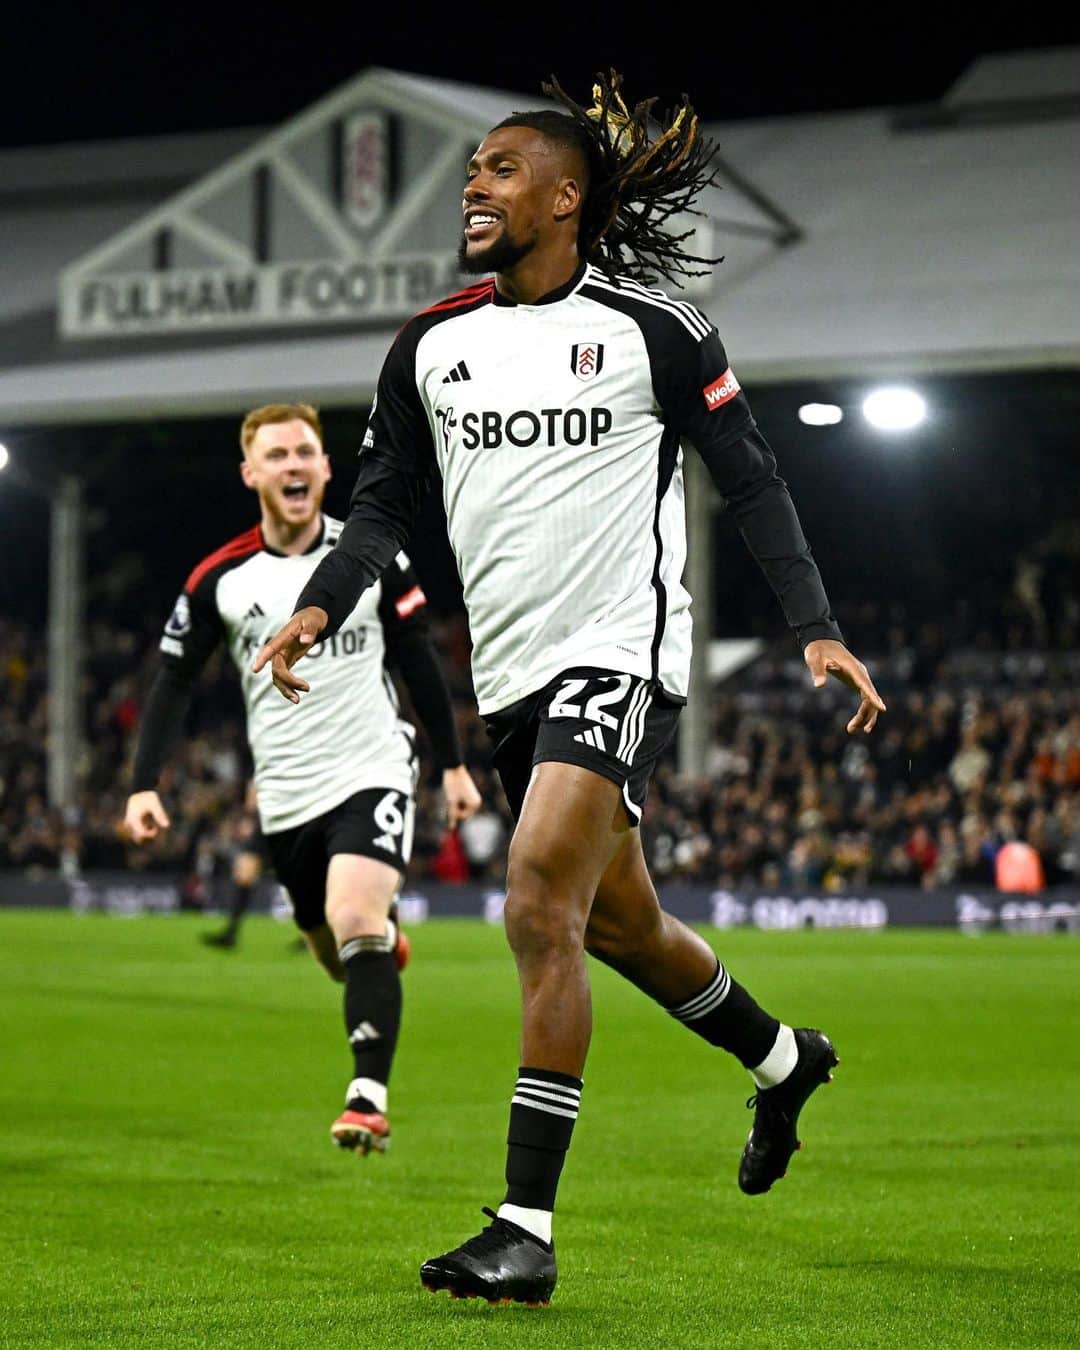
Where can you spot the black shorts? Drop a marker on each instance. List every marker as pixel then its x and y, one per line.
pixel 376 823
pixel 616 725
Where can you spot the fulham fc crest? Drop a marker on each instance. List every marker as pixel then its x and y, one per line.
pixel 586 359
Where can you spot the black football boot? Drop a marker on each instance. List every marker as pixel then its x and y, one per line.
pixel 504 1264
pixel 773 1139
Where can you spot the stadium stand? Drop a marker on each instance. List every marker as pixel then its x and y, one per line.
pixel 981 749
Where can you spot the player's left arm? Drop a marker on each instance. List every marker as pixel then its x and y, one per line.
pixel 714 416
pixel 191 634
pixel 402 612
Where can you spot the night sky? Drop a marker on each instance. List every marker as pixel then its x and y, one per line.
pixel 988 477
pixel 106 70
pixel 914 520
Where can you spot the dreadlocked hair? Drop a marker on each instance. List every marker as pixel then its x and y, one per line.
pixel 643 170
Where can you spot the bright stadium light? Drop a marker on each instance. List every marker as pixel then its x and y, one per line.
pixel 4 456
pixel 820 414
pixel 894 408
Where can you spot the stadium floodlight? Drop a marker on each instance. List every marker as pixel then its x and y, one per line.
pixel 4 456
pixel 894 408
pixel 820 414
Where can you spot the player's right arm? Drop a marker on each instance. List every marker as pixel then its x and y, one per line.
pixel 703 397
pixel 397 461
pixel 191 634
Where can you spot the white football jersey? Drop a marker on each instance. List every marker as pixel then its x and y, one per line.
pixel 557 429
pixel 346 734
pixel 557 432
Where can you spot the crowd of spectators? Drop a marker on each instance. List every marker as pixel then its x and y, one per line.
pixel 980 747
pixel 954 771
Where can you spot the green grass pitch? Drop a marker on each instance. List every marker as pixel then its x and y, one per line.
pixel 166 1176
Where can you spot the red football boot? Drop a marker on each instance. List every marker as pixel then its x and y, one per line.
pixel 361 1131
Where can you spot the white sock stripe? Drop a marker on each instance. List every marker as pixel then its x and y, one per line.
pixel 707 1001
pixel 548 1083
pixel 713 994
pixel 540 1106
pixel 369 944
pixel 703 1008
pixel 540 1095
pixel 542 1085
pixel 639 696
pixel 691 1003
pixel 715 999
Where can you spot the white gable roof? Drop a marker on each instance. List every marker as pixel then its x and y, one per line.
pixel 854 243
pixel 950 248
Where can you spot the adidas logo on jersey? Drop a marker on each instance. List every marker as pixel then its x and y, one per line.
pixel 255 612
pixel 460 372
pixel 592 737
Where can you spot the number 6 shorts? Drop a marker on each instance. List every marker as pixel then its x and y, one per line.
pixel 375 822
pixel 615 725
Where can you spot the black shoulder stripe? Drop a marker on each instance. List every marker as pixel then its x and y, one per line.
pixel 636 301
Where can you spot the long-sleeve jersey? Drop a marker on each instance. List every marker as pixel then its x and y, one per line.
pixel 558 431
pixel 347 734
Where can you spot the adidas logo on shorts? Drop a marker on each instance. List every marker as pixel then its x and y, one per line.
pixel 592 737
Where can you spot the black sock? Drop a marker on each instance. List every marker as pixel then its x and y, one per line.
pixel 542 1114
pixel 241 899
pixel 372 1018
pixel 724 1014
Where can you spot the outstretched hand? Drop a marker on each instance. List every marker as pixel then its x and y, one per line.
pixel 145 817
pixel 827 657
pixel 462 798
pixel 288 646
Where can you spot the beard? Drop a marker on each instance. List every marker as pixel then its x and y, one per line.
pixel 500 255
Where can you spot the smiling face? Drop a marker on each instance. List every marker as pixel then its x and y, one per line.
pixel 287 466
pixel 521 193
